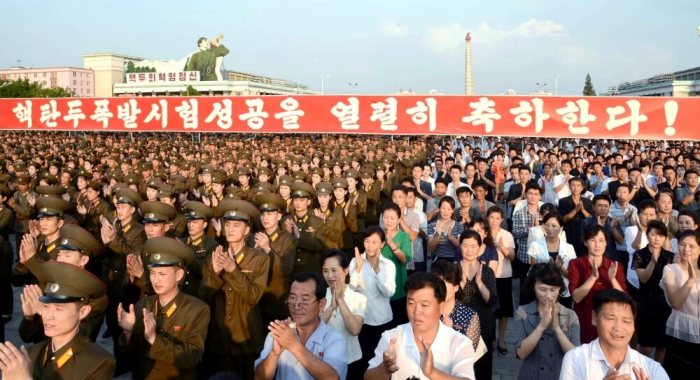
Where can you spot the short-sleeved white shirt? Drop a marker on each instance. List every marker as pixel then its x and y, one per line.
pixel 453 353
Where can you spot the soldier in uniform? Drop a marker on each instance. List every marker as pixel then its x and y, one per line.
pixel 7 219
pixel 168 195
pixel 164 334
pixel 67 354
pixel 285 190
pixel 198 215
pixel 205 178
pixel 76 246
pixel 124 237
pixel 234 279
pixel 96 207
pixel 307 228
pixel 41 243
pixel 157 218
pixel 204 60
pixel 281 247
pixel 19 203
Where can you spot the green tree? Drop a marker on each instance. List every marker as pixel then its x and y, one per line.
pixel 190 91
pixel 588 89
pixel 24 89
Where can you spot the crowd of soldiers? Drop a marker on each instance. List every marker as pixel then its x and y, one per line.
pixel 241 216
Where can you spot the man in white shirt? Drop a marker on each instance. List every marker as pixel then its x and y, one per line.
pixel 303 346
pixel 636 236
pixel 424 347
pixel 609 356
pixel 561 181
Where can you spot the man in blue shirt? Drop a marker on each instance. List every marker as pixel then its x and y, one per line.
pixel 303 346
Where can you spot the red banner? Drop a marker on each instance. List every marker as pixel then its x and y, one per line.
pixel 597 117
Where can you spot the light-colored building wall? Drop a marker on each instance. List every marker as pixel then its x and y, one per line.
pixel 80 81
pixel 109 70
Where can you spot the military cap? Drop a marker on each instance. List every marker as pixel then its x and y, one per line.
pixel 286 180
pixel 51 206
pixel 352 173
pixel 324 188
pixel 233 192
pixel 237 209
pixel 76 238
pixel 166 191
pixel 296 161
pixel 270 202
pixel 157 212
pixel 197 210
pixel 94 185
pixel 299 175
pixel 148 165
pixel 367 173
pixel 263 187
pixel 302 190
pixel 401 149
pixel 68 283
pixel 167 252
pixel 127 196
pixel 4 177
pixel 50 191
pixel 218 177
pixel 19 166
pixel 207 169
pixel 326 164
pixel 154 183
pixel 23 179
pixel 49 178
pixel 82 172
pixel 244 171
pixel 265 171
pixel 131 179
pixel 316 170
pixel 282 164
pixel 340 182
pixel 4 190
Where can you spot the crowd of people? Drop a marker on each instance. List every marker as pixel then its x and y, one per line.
pixel 299 257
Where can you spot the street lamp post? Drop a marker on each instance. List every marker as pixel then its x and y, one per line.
pixel 556 84
pixel 323 80
pixel 353 86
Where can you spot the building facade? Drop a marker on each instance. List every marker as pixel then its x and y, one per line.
pixel 80 81
pixel 680 83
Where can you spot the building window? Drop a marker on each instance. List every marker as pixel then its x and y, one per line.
pixel 75 82
pixel 35 74
pixel 43 74
pixel 75 74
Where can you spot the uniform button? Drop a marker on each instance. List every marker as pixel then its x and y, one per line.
pixel 187 282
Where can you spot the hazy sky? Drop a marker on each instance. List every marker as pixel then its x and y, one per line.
pixel 382 45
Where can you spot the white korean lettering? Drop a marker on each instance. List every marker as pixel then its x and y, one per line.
pixel 49 114
pixel 385 113
pixel 576 116
pixel 189 113
pixel 483 113
pixel 633 119
pixel 102 113
pixel 348 114
pixel 255 117
pixel 75 114
pixel 291 114
pixel 222 113
pixel 23 112
pixel 524 117
pixel 128 112
pixel 159 112
pixel 424 112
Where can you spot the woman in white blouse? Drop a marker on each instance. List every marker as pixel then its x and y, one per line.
pixel 345 308
pixel 681 285
pixel 373 276
pixel 554 251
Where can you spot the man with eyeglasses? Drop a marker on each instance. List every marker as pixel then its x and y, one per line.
pixel 303 346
